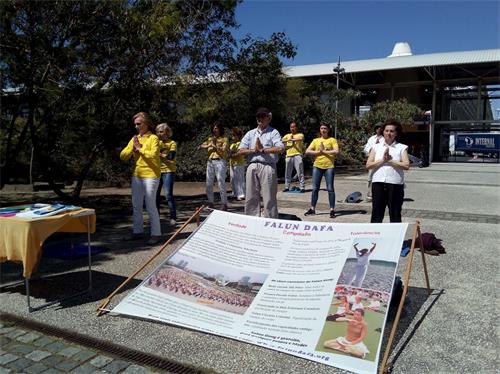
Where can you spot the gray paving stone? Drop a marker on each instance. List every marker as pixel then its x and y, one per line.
pixel 15 333
pixel 136 369
pixel 43 341
pixel 53 360
pixel 84 355
pixel 66 365
pixel 38 355
pixel 4 340
pixel 4 370
pixel 116 366
pixel 6 358
pixel 36 368
pixel 100 361
pixel 18 366
pixel 6 330
pixel 52 371
pixel 84 369
pixel 21 349
pixel 28 338
pixel 70 351
pixel 56 347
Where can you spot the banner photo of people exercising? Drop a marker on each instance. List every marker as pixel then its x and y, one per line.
pixel 316 290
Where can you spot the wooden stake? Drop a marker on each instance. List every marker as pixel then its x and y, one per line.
pixel 384 366
pixel 422 251
pixel 107 300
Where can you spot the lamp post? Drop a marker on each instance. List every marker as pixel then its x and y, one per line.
pixel 337 70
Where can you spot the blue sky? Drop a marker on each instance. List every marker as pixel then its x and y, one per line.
pixel 355 30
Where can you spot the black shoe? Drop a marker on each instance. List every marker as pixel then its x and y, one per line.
pixel 310 212
pixel 286 190
pixel 302 191
pixel 332 214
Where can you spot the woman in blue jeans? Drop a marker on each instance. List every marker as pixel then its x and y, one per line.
pixel 324 149
pixel 168 151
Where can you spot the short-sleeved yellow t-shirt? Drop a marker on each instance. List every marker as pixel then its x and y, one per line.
pixel 235 160
pixel 296 147
pixel 214 154
pixel 167 166
pixel 324 161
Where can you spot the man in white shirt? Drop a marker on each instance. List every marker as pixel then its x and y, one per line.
pixel 374 139
pixel 261 147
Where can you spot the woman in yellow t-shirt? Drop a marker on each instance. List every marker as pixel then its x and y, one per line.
pixel 144 149
pixel 216 146
pixel 168 151
pixel 237 165
pixel 324 149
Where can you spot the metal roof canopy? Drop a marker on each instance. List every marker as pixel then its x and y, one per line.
pixel 464 67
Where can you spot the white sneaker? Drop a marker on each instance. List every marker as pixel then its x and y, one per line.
pixel 172 222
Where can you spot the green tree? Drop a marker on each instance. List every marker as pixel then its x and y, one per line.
pixel 400 110
pixel 78 69
pixel 248 78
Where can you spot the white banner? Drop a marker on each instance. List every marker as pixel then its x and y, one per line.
pixel 311 289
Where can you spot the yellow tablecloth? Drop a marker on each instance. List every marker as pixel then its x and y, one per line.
pixel 21 239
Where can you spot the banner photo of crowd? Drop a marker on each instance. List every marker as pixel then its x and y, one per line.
pixel 204 282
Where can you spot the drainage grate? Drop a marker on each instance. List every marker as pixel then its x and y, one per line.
pixel 96 344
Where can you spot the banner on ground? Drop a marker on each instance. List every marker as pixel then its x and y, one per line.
pixel 310 289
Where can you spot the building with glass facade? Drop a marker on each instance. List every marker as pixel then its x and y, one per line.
pixel 458 91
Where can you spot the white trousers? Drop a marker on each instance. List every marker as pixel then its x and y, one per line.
pixel 216 169
pixel 237 174
pixel 294 162
pixel 145 189
pixel 359 276
pixel 261 179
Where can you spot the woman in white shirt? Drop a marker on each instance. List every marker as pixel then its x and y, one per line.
pixel 388 161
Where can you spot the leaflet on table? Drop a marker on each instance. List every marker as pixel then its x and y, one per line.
pixel 46 210
pixel 11 211
pixel 267 282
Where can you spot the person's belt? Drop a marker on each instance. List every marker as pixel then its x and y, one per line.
pixel 261 162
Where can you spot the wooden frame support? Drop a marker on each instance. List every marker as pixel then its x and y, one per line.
pixel 386 366
pixel 106 301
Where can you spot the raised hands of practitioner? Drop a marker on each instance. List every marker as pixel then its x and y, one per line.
pixel 387 157
pixel 137 144
pixel 321 147
pixel 259 148
pixel 371 163
pixel 204 145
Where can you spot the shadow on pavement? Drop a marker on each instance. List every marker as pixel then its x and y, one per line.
pixel 415 300
pixel 61 286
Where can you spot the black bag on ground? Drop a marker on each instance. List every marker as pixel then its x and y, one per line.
pixel 397 293
pixel 354 197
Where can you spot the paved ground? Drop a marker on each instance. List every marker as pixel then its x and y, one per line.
pixel 455 330
pixel 28 351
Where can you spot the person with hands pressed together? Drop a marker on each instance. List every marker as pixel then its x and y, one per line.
pixel 168 151
pixel 216 147
pixel 144 149
pixel 237 165
pixel 324 149
pixel 388 160
pixel 261 147
pixel 294 142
